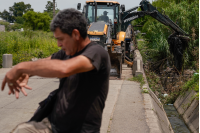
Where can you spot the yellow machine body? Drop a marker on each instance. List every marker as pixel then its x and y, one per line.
pixel 120 37
pixel 99 31
pixel 96 32
pixel 109 1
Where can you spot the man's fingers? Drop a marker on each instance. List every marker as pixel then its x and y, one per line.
pixel 3 84
pixel 27 87
pixel 24 92
pixel 9 92
pixel 17 94
pixel 11 89
pixel 17 86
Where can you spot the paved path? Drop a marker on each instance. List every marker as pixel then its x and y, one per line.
pixel 123 113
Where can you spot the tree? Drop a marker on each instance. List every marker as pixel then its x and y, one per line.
pixel 20 8
pixel 6 16
pixel 37 20
pixel 19 20
pixel 51 13
pixel 16 12
pixel 49 6
pixel 49 9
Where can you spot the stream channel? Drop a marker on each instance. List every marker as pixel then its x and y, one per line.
pixel 175 119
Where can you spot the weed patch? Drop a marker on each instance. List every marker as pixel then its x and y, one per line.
pixel 26 45
pixel 139 79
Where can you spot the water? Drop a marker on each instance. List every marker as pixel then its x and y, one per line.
pixel 176 120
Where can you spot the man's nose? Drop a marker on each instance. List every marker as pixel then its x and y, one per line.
pixel 59 44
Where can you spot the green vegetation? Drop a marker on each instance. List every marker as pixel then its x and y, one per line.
pixel 37 20
pixel 155 85
pixel 32 20
pixel 139 79
pixel 145 90
pixel 154 82
pixel 9 27
pixel 186 14
pixel 6 24
pixel 15 12
pixel 154 79
pixel 192 84
pixel 26 45
pixel 142 46
pixel 155 49
pixel 23 16
pixel 31 43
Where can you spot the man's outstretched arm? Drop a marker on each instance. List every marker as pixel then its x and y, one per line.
pixel 47 68
pixel 55 68
pixel 48 58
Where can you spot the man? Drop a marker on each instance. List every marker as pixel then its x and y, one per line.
pixel 104 17
pixel 80 101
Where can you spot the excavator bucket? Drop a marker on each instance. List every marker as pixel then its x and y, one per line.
pixel 116 64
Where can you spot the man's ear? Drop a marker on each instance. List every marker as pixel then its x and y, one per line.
pixel 76 34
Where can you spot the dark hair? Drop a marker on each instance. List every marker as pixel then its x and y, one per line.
pixel 68 20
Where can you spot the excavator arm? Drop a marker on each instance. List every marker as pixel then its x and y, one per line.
pixel 148 9
pixel 178 40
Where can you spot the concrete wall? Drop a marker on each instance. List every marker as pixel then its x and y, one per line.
pixel 2 28
pixel 156 116
pixel 188 107
pixel 137 63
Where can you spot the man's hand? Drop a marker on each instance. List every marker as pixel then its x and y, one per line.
pixel 16 82
pixel 22 81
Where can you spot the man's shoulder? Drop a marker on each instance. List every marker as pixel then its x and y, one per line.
pixel 96 46
pixel 59 55
pixel 97 54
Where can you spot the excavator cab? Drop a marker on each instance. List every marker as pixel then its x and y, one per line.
pixel 102 16
pixel 103 24
pixel 105 11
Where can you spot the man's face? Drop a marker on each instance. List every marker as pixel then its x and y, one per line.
pixel 66 42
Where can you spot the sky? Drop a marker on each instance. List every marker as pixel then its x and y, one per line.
pixel 39 5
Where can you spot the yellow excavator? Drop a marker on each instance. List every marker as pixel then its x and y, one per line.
pixel 108 23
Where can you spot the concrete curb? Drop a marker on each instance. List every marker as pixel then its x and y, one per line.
pixel 156 116
pixel 137 63
pixel 188 107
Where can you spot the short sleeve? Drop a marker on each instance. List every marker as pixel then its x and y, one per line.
pixel 58 55
pixel 96 54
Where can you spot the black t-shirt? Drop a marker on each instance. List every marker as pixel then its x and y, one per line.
pixel 80 102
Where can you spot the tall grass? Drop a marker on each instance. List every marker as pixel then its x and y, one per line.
pixel 186 15
pixel 26 45
pixel 155 49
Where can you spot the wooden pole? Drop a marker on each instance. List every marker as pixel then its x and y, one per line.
pixel 54 8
